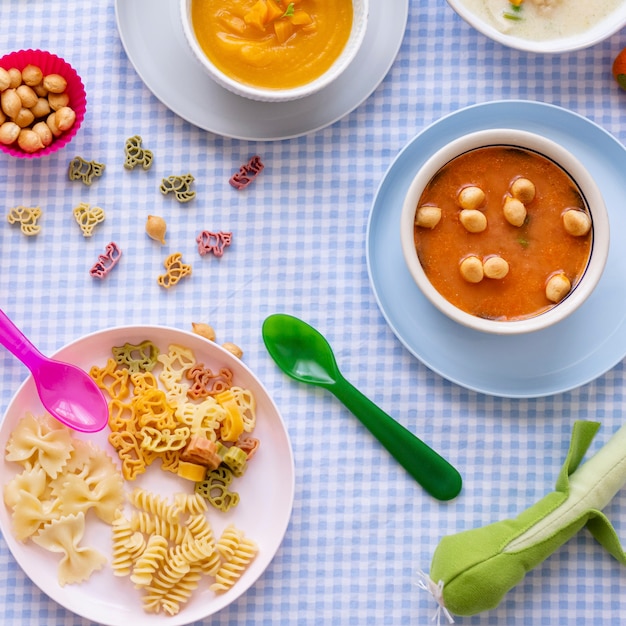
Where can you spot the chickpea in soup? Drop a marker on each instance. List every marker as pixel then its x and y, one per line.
pixel 540 20
pixel 274 44
pixel 503 233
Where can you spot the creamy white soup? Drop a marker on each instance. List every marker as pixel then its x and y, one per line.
pixel 543 19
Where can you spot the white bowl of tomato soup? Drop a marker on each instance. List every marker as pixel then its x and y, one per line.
pixel 505 231
pixel 274 50
pixel 544 26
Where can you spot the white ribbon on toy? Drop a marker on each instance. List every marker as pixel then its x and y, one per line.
pixel 436 591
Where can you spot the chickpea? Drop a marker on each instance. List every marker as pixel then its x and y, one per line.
pixel 32 75
pixel 16 78
pixel 40 90
pixel 58 100
pixel 44 132
pixel 65 118
pixel 10 102
pixel 27 96
pixel 233 349
pixel 514 211
pixel 29 141
pixel 24 118
pixel 473 220
pixel 523 190
pixel 428 216
pixel 41 108
pixel 495 267
pixel 471 268
pixel 576 222
pixel 9 132
pixel 55 83
pixel 557 287
pixel 471 197
pixel 52 124
pixel 5 79
pixel 204 330
pixel 156 228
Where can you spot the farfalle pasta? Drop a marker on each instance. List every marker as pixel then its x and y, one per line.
pixel 62 479
pixel 63 535
pixel 40 443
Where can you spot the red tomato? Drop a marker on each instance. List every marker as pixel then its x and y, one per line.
pixel 619 69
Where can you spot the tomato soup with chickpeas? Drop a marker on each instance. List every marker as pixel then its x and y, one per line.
pixel 503 233
pixel 274 44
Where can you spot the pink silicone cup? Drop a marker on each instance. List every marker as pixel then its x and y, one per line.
pixel 49 64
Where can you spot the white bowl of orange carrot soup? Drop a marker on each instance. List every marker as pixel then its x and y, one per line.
pixel 505 231
pixel 274 50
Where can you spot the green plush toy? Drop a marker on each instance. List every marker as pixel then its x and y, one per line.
pixel 476 568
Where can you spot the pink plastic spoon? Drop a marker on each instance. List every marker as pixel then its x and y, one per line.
pixel 67 392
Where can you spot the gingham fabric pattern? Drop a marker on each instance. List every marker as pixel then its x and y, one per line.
pixel 361 528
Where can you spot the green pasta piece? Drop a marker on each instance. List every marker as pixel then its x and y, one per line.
pixel 180 186
pixel 85 171
pixel 236 459
pixel 215 489
pixel 140 357
pixel 135 154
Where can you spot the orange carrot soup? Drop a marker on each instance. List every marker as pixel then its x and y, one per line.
pixel 503 233
pixel 275 44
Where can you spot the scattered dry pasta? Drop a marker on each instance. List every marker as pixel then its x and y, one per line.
pixel 27 218
pixel 175 270
pixel 85 171
pixel 88 217
pixel 135 154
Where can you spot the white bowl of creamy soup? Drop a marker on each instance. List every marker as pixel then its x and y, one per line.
pixel 544 26
pixel 274 50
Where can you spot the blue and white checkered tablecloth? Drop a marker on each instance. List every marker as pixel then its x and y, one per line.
pixel 361 529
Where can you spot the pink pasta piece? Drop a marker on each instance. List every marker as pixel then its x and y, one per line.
pixel 213 242
pixel 107 261
pixel 247 173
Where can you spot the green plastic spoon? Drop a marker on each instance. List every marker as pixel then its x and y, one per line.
pixel 303 353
